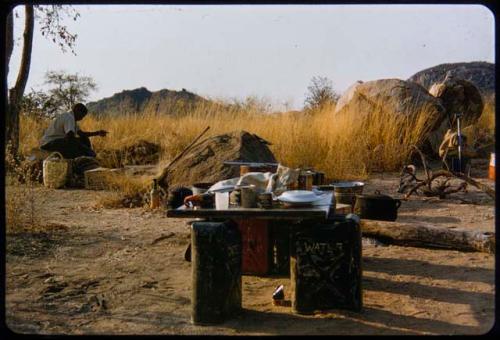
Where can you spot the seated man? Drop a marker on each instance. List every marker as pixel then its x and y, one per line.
pixel 61 135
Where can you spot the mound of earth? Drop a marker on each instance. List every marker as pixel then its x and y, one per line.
pixel 481 74
pixel 140 153
pixel 205 161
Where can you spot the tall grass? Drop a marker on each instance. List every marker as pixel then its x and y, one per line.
pixel 22 205
pixel 344 147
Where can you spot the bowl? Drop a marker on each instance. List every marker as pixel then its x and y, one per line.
pixel 353 187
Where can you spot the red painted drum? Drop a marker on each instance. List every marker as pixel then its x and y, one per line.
pixel 255 246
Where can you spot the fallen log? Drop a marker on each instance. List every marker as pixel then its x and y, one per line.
pixel 420 235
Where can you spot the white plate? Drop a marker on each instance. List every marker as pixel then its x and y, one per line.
pixel 299 196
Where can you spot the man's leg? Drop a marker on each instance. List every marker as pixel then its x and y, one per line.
pixel 85 141
pixel 86 146
pixel 83 147
pixel 59 145
pixel 69 148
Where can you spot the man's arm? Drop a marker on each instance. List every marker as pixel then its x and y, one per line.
pixel 101 133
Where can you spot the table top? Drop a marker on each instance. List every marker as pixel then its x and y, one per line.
pixel 258 213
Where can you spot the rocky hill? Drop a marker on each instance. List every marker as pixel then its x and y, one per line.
pixel 142 100
pixel 480 73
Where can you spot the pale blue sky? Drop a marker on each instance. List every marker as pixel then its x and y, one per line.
pixel 269 51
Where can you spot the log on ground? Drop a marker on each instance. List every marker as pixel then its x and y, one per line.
pixel 426 235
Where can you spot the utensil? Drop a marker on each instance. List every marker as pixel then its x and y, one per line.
pixel 345 192
pixel 265 200
pixel 350 187
pixel 222 200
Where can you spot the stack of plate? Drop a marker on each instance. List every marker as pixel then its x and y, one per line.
pixel 298 198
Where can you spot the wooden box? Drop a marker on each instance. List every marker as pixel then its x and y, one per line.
pixel 98 179
pixel 325 264
pixel 216 271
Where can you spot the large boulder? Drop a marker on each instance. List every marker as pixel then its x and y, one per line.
pixel 204 163
pixel 459 96
pixel 393 96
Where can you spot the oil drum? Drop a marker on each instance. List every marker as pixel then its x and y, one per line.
pixel 216 271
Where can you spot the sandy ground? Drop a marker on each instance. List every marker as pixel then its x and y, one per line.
pixel 122 271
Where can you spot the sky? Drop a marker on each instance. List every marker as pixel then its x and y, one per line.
pixel 267 51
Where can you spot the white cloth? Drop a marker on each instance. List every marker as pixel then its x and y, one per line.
pixel 59 127
pixel 262 181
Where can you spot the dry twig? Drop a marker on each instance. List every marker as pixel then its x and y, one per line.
pixel 442 187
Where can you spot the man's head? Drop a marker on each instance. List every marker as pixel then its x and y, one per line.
pixel 79 111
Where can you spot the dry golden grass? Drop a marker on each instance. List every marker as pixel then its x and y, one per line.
pixel 124 191
pixel 342 147
pixel 22 205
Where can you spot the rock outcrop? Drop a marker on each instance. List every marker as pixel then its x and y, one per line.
pixel 400 97
pixel 479 73
pixel 394 96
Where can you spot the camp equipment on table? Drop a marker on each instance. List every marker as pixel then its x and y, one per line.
pixel 299 197
pixel 56 170
pixel 345 192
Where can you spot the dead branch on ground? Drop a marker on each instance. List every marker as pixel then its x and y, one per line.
pixel 437 183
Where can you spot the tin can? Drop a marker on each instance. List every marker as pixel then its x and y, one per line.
pixel 319 178
pixel 248 197
pixel 491 170
pixel 265 200
pixel 306 180
pixel 235 198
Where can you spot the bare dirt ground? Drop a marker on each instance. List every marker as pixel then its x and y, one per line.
pixel 122 271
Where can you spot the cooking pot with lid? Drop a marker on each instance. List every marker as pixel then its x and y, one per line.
pixel 377 207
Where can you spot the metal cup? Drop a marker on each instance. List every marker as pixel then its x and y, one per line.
pixel 248 197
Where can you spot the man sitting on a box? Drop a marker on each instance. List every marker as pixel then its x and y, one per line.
pixel 64 135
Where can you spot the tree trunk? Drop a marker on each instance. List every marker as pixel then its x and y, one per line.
pixel 426 235
pixel 16 93
pixel 9 46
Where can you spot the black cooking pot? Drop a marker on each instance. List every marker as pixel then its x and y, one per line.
pixel 377 207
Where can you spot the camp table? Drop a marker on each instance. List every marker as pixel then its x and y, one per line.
pixel 314 234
